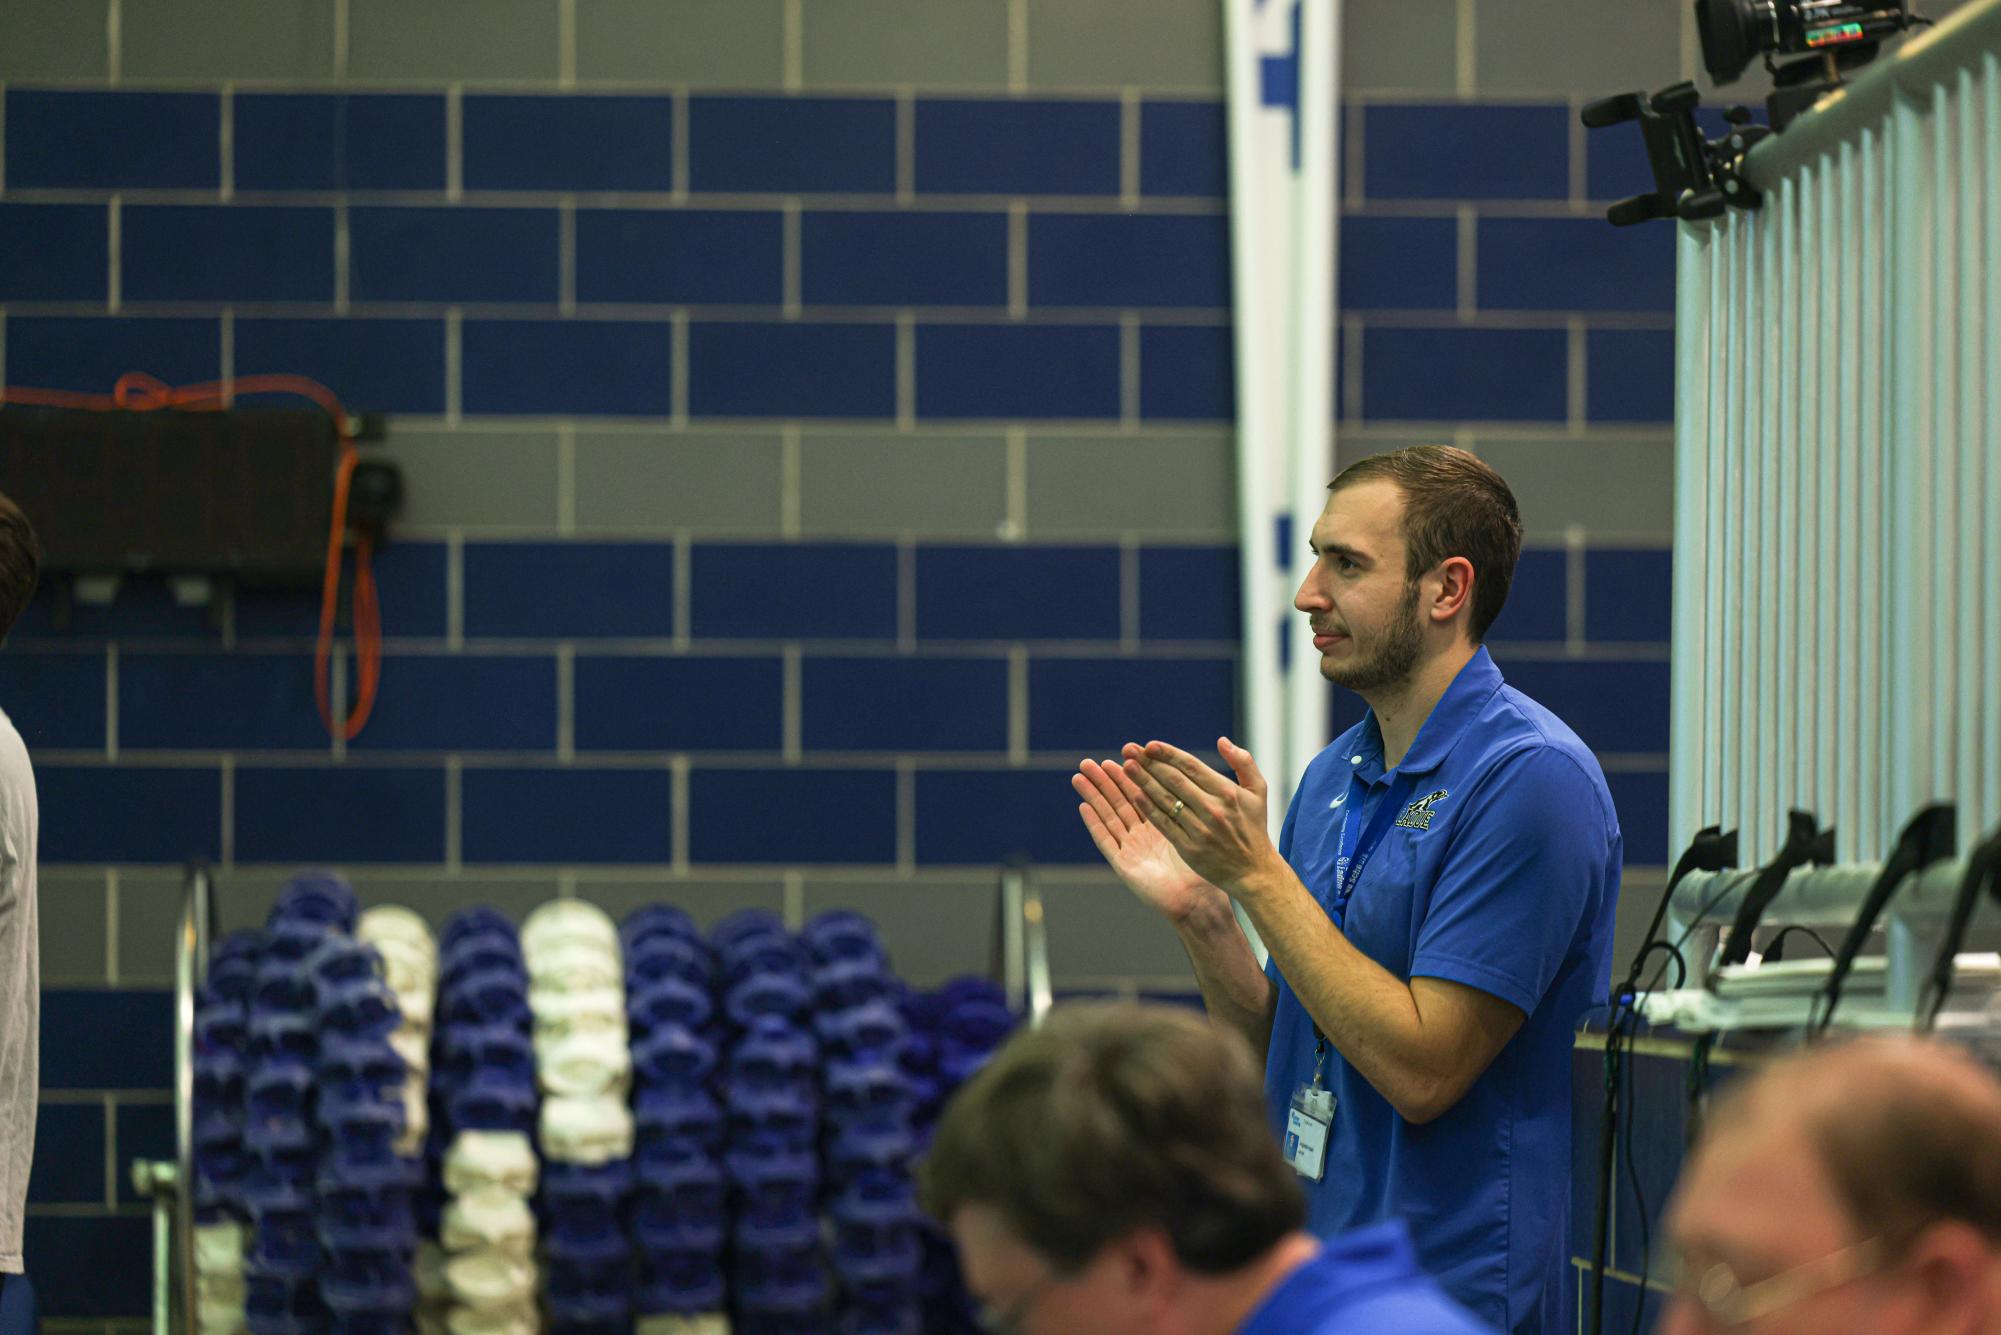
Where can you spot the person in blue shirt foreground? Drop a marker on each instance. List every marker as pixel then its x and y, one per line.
pixel 1438 908
pixel 1109 1173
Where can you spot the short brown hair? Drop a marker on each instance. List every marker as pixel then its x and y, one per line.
pixel 1908 1130
pixel 1111 1118
pixel 20 563
pixel 1453 505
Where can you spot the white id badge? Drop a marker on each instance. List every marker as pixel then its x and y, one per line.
pixel 1306 1131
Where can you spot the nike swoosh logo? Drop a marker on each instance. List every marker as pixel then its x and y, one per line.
pixel 1339 800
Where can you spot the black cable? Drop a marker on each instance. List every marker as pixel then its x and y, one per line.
pixel 1775 948
pixel 1639 1195
pixel 1929 837
pixel 1982 864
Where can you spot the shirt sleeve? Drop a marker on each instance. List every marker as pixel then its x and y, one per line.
pixel 1527 865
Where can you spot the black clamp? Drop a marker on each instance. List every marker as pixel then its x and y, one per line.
pixel 1694 177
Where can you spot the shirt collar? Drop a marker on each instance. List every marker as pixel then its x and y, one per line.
pixel 1443 727
pixel 1348 1268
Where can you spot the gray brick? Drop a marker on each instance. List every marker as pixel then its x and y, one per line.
pixel 476 479
pixel 149 915
pixel 708 482
pixel 69 909
pixel 706 43
pixel 1556 47
pixel 437 900
pixel 291 40
pixel 1098 933
pixel 706 901
pixel 435 41
pixel 932 931
pixel 1399 46
pixel 943 44
pixel 1615 486
pixel 936 486
pixel 52 39
pixel 1179 485
pixel 1160 44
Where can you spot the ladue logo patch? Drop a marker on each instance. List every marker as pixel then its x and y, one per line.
pixel 1417 816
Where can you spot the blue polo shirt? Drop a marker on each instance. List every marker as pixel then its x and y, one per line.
pixel 1362 1283
pixel 1500 872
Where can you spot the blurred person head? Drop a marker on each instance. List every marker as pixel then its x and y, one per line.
pixel 1849 1190
pixel 1414 553
pixel 20 564
pixel 1113 1171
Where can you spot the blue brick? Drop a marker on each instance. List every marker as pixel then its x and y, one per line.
pixel 1183 148
pixel 1537 606
pixel 409 578
pixel 1400 264
pixel 75 1021
pixel 703 256
pixel 561 590
pixel 794 590
pixel 132 813
pixel 791 370
pixel 904 704
pixel 349 813
pixel 389 365
pixel 1016 371
pixel 453 254
pixel 1628 594
pixel 235 702
pixel 68 1166
pixel 1446 375
pixel 89 353
pixel 903 259
pixel 1018 593
pixel 993 147
pixel 1187 373
pixel 462 702
pixel 144 606
pixel 55 700
pixel 1190 593
pixel 567 367
pixel 1629 375
pixel 113 140
pixel 980 817
pixel 1094 705
pixel 569 142
pixel 144 1131
pixel 1612 706
pixel 680 704
pixel 1466 151
pixel 54 252
pixel 340 141
pixel 1115 259
pixel 568 815
pixel 1574 264
pixel 792 145
pixel 792 816
pixel 222 252
pixel 91 1265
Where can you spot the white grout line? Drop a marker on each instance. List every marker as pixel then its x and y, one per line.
pixel 1017 46
pixel 790 468
pixel 566 480
pixel 1017 704
pixel 906 594
pixel 790 258
pixel 110 1152
pixel 337 700
pixel 454 812
pixel 3 316
pixel 1469 256
pixel 681 139
pixel 1576 397
pixel 455 590
pixel 1129 147
pixel 906 370
pixel 795 38
pixel 677 368
pixel 226 354
pixel 1351 405
pixel 1466 49
pixel 1017 258
pixel 1014 521
pixel 906 145
pixel 111 702
pixel 684 589
pixel 566 255
pixel 1580 188
pixel 115 253
pixel 3 136
pixel 455 155
pixel 1574 545
pixel 226 144
pixel 566 44
pixel 1129 370
pixel 454 364
pixel 791 706
pixel 677 813
pixel 906 815
pixel 794 901
pixel 228 832
pixel 566 884
pixel 1353 156
pixel 341 39
pixel 343 258
pixel 111 926
pixel 114 41
pixel 566 702
pixel 1129 608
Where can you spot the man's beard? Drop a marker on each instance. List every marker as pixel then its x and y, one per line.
pixel 1396 652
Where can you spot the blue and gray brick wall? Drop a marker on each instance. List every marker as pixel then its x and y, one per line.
pixel 817 426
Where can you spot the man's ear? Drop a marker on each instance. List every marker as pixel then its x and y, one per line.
pixel 1952 1266
pixel 1149 1272
pixel 1455 588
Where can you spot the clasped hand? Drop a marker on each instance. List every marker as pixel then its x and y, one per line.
pixel 1165 822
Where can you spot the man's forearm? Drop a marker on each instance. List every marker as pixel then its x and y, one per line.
pixel 1234 989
